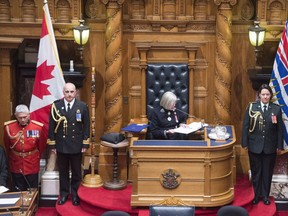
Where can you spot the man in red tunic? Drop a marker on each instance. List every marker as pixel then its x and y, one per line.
pixel 24 142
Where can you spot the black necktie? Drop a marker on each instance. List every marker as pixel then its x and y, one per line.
pixel 265 109
pixel 68 107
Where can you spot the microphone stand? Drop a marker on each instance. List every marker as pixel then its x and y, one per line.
pixel 21 209
pixel 27 182
pixel 10 213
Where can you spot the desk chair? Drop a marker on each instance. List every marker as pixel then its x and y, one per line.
pixel 232 211
pixel 171 210
pixel 115 213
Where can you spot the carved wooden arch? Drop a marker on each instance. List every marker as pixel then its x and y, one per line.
pixel 63 11
pixel 276 12
pixel 28 10
pixel 179 52
pixel 273 1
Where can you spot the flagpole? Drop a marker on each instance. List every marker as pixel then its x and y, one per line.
pixel 92 180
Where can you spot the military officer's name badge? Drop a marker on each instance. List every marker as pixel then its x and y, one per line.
pixel 78 116
pixel 32 133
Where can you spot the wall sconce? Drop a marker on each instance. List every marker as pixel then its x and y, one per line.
pixel 81 36
pixel 256 37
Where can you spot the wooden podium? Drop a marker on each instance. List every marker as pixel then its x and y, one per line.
pixel 26 204
pixel 198 172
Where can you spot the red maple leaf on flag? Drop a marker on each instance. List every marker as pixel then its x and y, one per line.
pixel 43 72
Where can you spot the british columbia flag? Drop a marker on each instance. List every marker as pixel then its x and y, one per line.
pixel 279 80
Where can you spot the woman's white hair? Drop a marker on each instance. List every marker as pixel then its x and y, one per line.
pixel 21 108
pixel 168 99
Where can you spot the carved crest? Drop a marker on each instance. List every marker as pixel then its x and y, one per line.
pixel 170 179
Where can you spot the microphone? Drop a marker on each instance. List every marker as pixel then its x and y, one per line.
pixel 192 116
pixel 27 182
pixel 22 197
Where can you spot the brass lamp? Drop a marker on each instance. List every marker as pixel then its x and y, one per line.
pixel 256 34
pixel 256 37
pixel 81 35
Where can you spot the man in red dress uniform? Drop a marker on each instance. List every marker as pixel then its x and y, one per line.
pixel 24 142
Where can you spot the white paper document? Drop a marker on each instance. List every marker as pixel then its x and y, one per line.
pixel 3 189
pixel 9 201
pixel 194 126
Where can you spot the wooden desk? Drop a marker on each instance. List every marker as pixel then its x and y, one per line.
pixel 26 205
pixel 198 172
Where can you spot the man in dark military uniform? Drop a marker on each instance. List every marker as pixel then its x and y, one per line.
pixel 262 135
pixel 69 132
pixel 24 143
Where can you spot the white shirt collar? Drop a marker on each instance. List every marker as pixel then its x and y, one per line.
pixel 262 105
pixel 71 103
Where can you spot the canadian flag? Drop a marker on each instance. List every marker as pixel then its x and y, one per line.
pixel 49 81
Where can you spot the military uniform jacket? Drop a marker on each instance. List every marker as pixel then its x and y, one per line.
pixel 24 146
pixel 162 120
pixel 74 137
pixel 262 132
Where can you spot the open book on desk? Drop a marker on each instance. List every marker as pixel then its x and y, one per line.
pixel 192 127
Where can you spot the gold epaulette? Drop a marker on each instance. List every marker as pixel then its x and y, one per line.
pixel 9 122
pixel 87 142
pixel 37 123
pixel 51 142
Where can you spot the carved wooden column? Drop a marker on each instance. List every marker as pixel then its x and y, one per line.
pixel 113 60
pixel 223 61
pixel 143 50
pixel 113 88
pixel 191 51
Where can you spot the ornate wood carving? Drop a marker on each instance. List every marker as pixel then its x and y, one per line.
pixel 5 14
pixel 223 62
pixel 201 10
pixel 63 11
pixel 113 61
pixel 138 9
pixel 29 11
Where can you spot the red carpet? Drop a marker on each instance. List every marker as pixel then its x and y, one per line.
pixel 95 201
pixel 46 211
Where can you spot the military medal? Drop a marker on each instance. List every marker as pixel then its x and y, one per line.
pixel 78 116
pixel 274 119
pixel 32 133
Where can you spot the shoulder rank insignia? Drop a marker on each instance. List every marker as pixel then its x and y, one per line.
pixel 37 123
pixel 9 122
